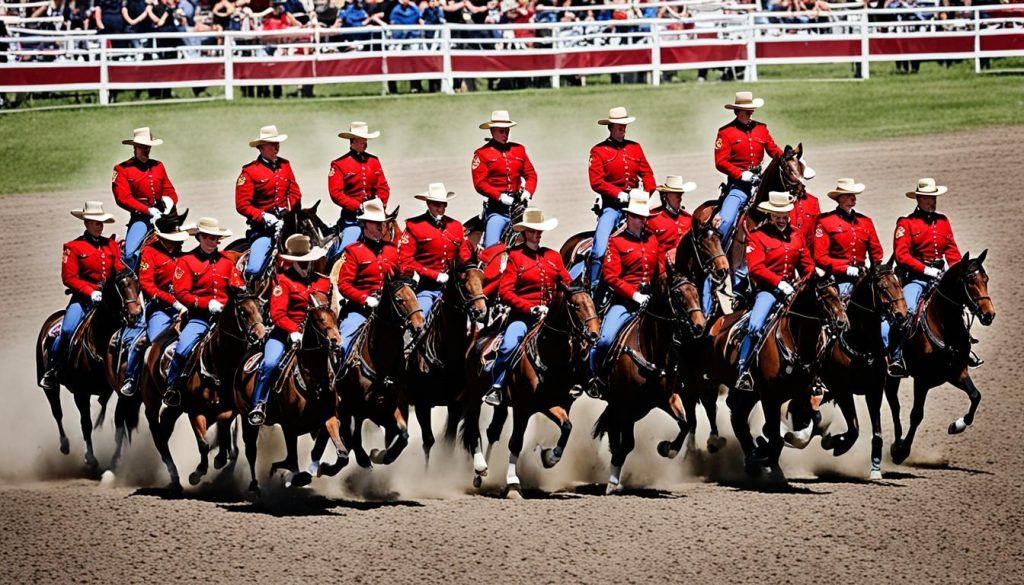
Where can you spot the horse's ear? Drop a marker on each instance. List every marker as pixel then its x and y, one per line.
pixel 981 257
pixel 788 152
pixel 394 214
pixel 890 262
pixel 799 150
pixel 315 205
pixel 966 259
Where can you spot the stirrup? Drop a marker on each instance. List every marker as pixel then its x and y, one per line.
pixel 258 414
pixel 493 397
pixel 974 361
pixel 172 397
pixel 128 387
pixel 49 379
pixel 745 382
pixel 897 368
pixel 593 388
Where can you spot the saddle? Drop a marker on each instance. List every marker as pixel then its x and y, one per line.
pixel 619 347
pixel 201 359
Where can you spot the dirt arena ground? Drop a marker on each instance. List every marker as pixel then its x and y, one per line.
pixel 952 514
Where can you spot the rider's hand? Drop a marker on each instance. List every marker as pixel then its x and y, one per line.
pixel 716 221
pixel 527 195
pixel 179 307
pixel 852 271
pixel 372 302
pixel 539 310
pixel 442 278
pixel 270 220
pixel 168 203
pixel 785 288
pixel 154 213
pixel 931 272
pixel 623 197
pixel 640 298
pixel 295 337
pixel 506 199
pixel 747 176
pixel 96 296
pixel 215 307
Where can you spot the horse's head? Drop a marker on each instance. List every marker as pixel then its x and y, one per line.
pixel 126 283
pixel 829 302
pixel 401 305
pixel 392 233
pixel 308 223
pixel 887 292
pixel 581 311
pixel 248 311
pixel 321 323
pixel 792 169
pixel 685 303
pixel 469 286
pixel 975 285
pixel 707 248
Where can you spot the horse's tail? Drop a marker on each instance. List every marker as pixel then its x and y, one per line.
pixel 603 424
pixel 126 413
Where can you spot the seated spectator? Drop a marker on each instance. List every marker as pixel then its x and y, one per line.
pixel 433 14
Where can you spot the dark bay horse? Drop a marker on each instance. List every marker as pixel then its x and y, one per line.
pixel 207 383
pixel 302 397
pixel 644 369
pixel 552 359
pixel 437 363
pixel 856 362
pixel 84 369
pixel 938 347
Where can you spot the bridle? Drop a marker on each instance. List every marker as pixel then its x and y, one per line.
pixel 880 296
pixel 705 266
pixel 394 299
pixel 972 303
pixel 121 281
pixel 465 299
pixel 249 332
pixel 577 325
pixel 680 315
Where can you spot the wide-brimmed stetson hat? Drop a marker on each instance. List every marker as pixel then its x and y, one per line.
pixel 639 203
pixel 745 100
pixel 846 186
pixel 617 115
pixel 93 211
pixel 359 130
pixel 927 186
pixel 268 134
pixel 169 227
pixel 211 227
pixel 675 184
pixel 298 248
pixel 143 137
pixel 533 219
pixel 437 193
pixel 373 210
pixel 499 119
pixel 778 202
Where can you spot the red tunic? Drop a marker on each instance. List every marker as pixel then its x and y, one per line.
pixel 200 278
pixel 88 262
pixel 530 277
pixel 774 256
pixel 265 186
pixel 669 228
pixel 355 178
pixel 739 147
pixel 138 185
pixel 494 267
pixel 619 166
pixel 289 301
pixel 631 261
pixel 429 248
pixel 363 269
pixel 156 273
pixel 500 168
pixel 841 242
pixel 923 238
pixel 804 216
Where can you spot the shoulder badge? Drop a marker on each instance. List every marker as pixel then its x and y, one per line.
pixel 718 143
pixel 143 265
pixel 750 249
pixel 900 232
pixel 241 180
pixel 278 290
pixel 67 254
pixel 819 233
pixel 331 174
pixel 476 161
pixel 405 238
pixel 178 273
pixel 113 178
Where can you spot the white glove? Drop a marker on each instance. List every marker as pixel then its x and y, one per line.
pixel 747 176
pixel 852 271
pixel 527 194
pixel 416 277
pixel 96 296
pixel 506 199
pixel 539 310
pixel 168 204
pixel 641 298
pixel 215 307
pixel 179 307
pixel 154 213
pixel 624 197
pixel 372 302
pixel 931 272
pixel 295 337
pixel 270 220
pixel 442 278
pixel 785 288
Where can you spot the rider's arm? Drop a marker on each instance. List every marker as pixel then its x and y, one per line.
pixel 123 193
pixel 279 308
pixel 480 168
pixel 646 172
pixel 723 148
pixel 407 255
pixel 507 288
pixel 597 176
pixel 611 273
pixel 821 246
pixel 183 286
pixel 382 191
pixel 529 173
pixel 806 264
pixel 147 270
pixel 336 188
pixel 769 144
pixel 901 247
pixel 243 198
pixel 114 251
pixel 69 274
pixel 168 190
pixel 756 266
pixel 875 251
pixel 294 194
pixel 952 251
pixel 347 276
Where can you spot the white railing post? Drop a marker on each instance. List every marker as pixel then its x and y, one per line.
pixel 750 74
pixel 865 45
pixel 448 83
pixel 229 67
pixel 655 55
pixel 977 39
pixel 104 74
pixel 383 58
pixel 556 79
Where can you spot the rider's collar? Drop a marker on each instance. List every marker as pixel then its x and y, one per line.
pixel 634 234
pixel 498 145
pixel 437 219
pixel 294 273
pixel 928 216
pixel 782 234
pixel 359 156
pixel 374 245
pixel 271 165
pixel 850 216
pixel 745 127
pixel 149 162
pixel 674 212
pixel 95 241
pixel 204 256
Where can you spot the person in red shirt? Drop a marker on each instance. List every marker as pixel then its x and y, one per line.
pixel 527 284
pixel 501 172
pixel 87 263
pixel 265 190
pixel 354 178
pixel 289 303
pixel 845 240
pixel 777 256
pixel 156 277
pixel 200 282
pixel 362 268
pixel 141 187
pixel 739 147
pixel 617 166
pixel 924 247
pixel 804 217
pixel 670 222
pixel 431 245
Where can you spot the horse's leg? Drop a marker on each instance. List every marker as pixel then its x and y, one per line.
pixel 892 396
pixel 225 446
pixel 333 428
pixel 741 403
pixel 874 400
pixel 53 397
pixel 551 457
pixel 965 383
pixel 690 396
pixel 423 410
pixel 396 438
pixel 626 443
pixel 250 438
pixel 290 463
pixel 161 427
pixel 515 446
pixel 840 444
pixel 709 400
pixel 674 407
pixel 82 401
pixel 494 429
pixel 772 431
pixel 199 428
pixel 899 455
pixel 104 400
pixel 362 459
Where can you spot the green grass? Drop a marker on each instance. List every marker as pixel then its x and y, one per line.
pixel 75 148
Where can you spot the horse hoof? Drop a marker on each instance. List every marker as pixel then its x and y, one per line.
pixel 220 461
pixel 665 450
pixel 612 489
pixel 479 464
pixel 107 478
pixel 513 492
pixel 875 474
pixel 254 487
pixel 90 461
pixel 900 453
pixel 958 426
pixel 548 458
pixel 715 443
pixel 478 481
pixel 828 442
pixel 301 479
pixel 842 448
pixel 65 445
pixel 195 477
pixel 378 456
pixel 174 488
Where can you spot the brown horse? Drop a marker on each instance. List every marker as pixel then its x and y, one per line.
pixel 938 348
pixel 856 362
pixel 552 360
pixel 370 382
pixel 84 367
pixel 644 369
pixel 206 382
pixel 438 360
pixel 302 399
